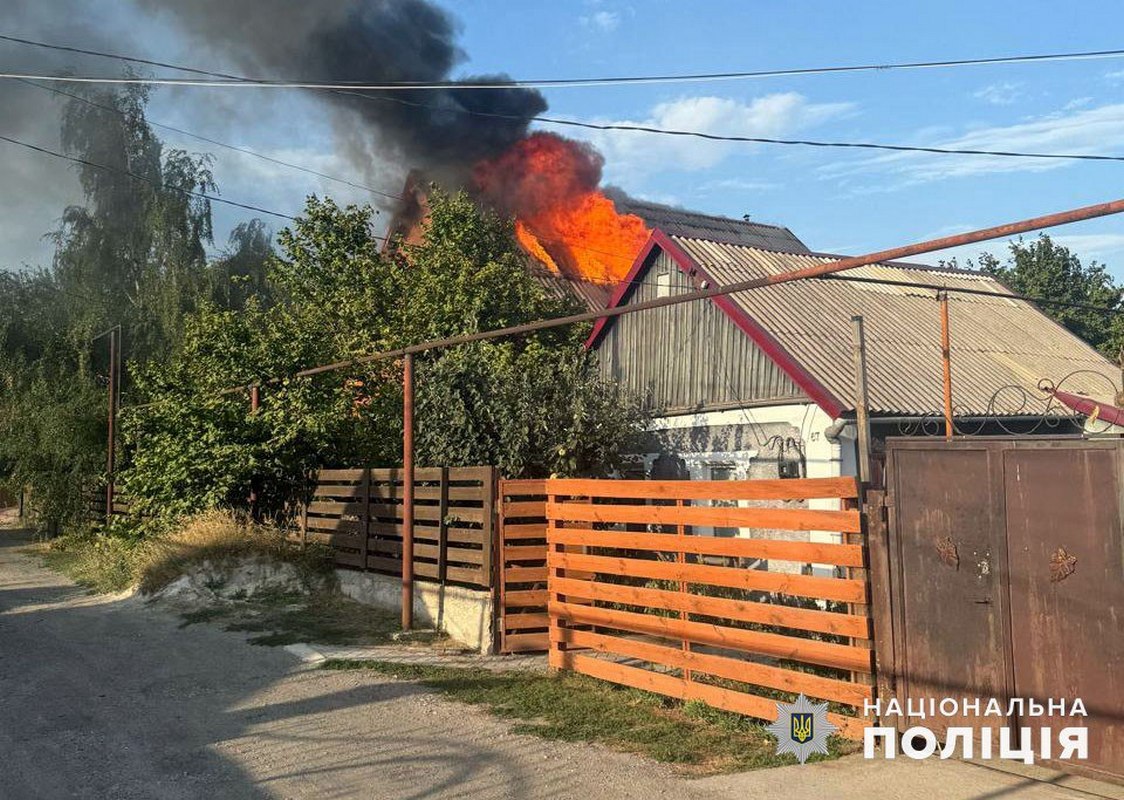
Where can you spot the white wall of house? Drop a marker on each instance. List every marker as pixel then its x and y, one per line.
pixel 825 457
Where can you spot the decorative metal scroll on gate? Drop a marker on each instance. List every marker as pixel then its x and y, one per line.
pixel 1015 410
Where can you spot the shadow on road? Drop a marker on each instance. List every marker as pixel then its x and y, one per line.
pixel 103 697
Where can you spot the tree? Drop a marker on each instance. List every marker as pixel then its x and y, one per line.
pixel 133 254
pixel 533 406
pixel 1043 268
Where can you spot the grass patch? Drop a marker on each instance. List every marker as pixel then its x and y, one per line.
pixel 571 707
pixel 100 562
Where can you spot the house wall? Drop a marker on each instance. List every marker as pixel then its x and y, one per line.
pixel 748 440
pixel 689 357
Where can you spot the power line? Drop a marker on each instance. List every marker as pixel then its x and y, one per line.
pixel 936 287
pixel 208 140
pixel 354 91
pixel 554 83
pixel 158 184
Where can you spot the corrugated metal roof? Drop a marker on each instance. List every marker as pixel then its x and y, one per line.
pixel 680 222
pixel 997 340
pixel 594 296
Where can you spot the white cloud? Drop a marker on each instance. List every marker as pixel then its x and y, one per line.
pixel 735 185
pixel 632 154
pixel 1115 76
pixel 605 21
pixel 1087 246
pixel 1081 131
pixel 999 94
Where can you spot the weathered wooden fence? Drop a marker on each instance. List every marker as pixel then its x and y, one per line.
pixel 640 591
pixel 358 513
pixel 93 503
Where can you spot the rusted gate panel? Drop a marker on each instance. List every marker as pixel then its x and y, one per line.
pixel 951 620
pixel 1006 579
pixel 1067 579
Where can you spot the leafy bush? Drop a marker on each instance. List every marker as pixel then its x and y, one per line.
pixel 534 406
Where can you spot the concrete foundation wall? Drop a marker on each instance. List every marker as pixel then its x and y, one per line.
pixel 466 615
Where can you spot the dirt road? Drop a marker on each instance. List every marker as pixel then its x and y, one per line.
pixel 104 697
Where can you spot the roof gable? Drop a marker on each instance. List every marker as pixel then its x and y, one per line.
pixel 998 341
pixel 660 241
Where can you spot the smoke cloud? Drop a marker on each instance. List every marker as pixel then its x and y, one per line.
pixel 444 131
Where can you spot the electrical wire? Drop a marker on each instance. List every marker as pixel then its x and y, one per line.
pixel 216 142
pixel 158 184
pixel 356 89
pixel 555 83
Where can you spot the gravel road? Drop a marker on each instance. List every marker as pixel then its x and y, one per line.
pixel 104 697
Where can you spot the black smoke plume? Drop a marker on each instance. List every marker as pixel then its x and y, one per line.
pixel 374 41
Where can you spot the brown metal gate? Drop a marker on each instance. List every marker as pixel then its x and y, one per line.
pixel 1006 580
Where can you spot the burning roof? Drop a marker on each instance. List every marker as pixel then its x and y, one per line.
pixel 581 240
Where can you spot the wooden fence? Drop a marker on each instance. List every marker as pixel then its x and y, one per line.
pixel 641 593
pixel 358 513
pixel 93 503
pixel 523 622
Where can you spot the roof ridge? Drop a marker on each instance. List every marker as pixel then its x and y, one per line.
pixel 705 214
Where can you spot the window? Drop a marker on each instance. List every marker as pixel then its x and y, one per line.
pixel 663 284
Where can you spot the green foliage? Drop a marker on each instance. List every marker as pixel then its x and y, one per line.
pixel 132 255
pixel 533 406
pixel 534 411
pixel 1043 268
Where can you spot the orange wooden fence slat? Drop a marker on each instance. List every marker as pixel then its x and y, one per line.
pixel 524 508
pixel 842 589
pixel 792 519
pixel 762 613
pixel 847 555
pixel 722 667
pixel 776 489
pixel 826 654
pixel 523 486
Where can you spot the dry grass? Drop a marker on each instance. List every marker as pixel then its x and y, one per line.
pixel 110 562
pixel 219 537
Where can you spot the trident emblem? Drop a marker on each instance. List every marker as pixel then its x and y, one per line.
pixel 802 727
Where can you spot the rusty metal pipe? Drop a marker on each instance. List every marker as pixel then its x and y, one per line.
pixel 946 364
pixel 819 270
pixel 255 404
pixel 408 492
pixel 111 424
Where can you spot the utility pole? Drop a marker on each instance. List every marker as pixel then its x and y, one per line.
pixel 255 405
pixel 946 362
pixel 862 407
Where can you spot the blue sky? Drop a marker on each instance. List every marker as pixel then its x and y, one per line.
pixel 837 201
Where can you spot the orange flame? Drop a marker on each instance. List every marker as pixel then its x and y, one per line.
pixel 550 185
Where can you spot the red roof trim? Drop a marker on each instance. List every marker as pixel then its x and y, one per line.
pixel 762 338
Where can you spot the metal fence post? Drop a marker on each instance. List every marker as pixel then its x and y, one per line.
pixel 408 492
